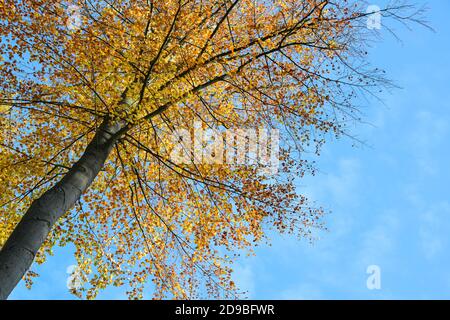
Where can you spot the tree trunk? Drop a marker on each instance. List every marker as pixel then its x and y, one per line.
pixel 19 251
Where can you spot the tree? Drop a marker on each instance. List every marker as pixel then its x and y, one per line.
pixel 93 95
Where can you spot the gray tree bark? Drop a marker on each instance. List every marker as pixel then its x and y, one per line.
pixel 19 251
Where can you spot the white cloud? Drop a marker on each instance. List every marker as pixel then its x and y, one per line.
pixel 244 278
pixel 379 242
pixel 431 131
pixel 434 230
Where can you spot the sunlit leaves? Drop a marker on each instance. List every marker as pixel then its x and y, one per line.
pixel 157 67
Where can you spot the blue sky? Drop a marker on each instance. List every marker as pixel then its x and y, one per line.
pixel 389 199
